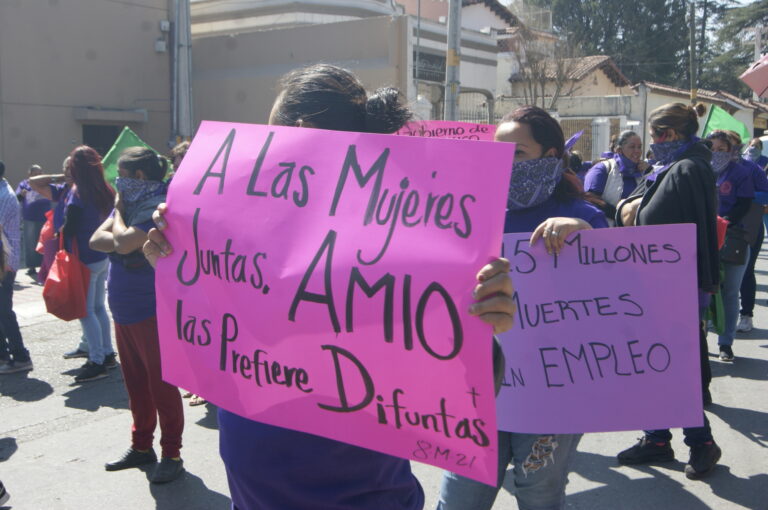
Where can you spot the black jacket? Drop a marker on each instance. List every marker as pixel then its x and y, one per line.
pixel 686 193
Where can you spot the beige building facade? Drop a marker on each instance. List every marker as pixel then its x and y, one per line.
pixel 77 71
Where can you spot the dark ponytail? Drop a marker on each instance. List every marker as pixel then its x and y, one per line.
pixel 330 97
pixel 384 111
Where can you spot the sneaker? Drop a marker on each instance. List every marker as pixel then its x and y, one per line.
pixel 12 367
pixel 91 372
pixel 726 353
pixel 745 324
pixel 702 461
pixel 4 496
pixel 168 470
pixel 110 360
pixel 77 353
pixel 646 451
pixel 132 458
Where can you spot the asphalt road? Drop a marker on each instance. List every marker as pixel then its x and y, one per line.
pixel 55 437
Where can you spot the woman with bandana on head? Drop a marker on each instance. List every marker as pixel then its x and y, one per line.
pixel 736 192
pixel 140 189
pixel 680 188
pixel 545 198
pixel 615 178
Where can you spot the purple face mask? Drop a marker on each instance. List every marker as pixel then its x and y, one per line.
pixel 533 182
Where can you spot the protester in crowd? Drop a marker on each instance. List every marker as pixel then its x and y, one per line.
pixel 736 193
pixel 14 357
pixel 33 209
pixel 754 153
pixel 88 199
pixel 616 177
pixel 578 165
pixel 131 282
pixel 270 467
pixel 753 225
pixel 680 188
pixel 552 214
pixel 177 155
pixel 57 188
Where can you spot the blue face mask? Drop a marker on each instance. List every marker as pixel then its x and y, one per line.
pixel 626 165
pixel 720 161
pixel 132 190
pixel 533 182
pixel 666 151
pixel 753 153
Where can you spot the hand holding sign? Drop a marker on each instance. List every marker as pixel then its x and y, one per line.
pixel 313 289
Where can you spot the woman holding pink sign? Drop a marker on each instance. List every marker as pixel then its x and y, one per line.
pixel 547 198
pixel 273 468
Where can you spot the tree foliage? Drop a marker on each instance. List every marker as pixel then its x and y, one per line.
pixel 648 39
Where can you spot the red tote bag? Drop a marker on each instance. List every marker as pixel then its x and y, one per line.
pixel 66 288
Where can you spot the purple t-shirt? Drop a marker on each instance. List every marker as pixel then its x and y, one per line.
pixel 33 205
pixel 90 219
pixel 733 183
pixel 597 177
pixel 759 178
pixel 60 195
pixel 526 220
pixel 272 468
pixel 131 285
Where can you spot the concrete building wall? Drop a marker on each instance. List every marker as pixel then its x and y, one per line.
pixel 64 59
pixel 480 17
pixel 235 76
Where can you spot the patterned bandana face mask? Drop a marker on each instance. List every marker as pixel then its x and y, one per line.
pixel 533 182
pixel 720 161
pixel 665 151
pixel 132 190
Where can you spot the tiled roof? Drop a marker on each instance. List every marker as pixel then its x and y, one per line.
pixel 578 68
pixel 497 8
pixel 716 96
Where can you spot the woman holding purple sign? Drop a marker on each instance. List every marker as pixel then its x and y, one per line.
pixel 545 198
pixel 273 468
pixel 680 189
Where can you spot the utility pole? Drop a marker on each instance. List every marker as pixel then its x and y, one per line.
pixel 692 51
pixel 452 60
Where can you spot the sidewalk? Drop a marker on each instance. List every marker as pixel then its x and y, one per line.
pixel 56 436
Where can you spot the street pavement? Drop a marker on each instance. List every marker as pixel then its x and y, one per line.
pixel 55 437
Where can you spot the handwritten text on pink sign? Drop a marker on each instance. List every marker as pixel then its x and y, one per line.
pixel 317 276
pixel 449 129
pixel 605 335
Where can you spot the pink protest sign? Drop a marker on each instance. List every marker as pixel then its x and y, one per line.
pixel 320 281
pixel 605 336
pixel 449 129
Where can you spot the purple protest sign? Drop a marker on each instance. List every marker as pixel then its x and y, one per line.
pixel 605 335
pixel 449 129
pixel 317 276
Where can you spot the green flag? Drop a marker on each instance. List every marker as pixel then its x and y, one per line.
pixel 126 139
pixel 720 119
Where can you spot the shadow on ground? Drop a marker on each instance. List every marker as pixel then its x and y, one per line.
pixel 189 492
pixel 23 388
pixel 210 420
pixel 751 424
pixel 744 368
pixel 657 489
pixel 8 447
pixel 90 396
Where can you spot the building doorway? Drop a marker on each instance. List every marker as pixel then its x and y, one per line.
pixel 100 136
